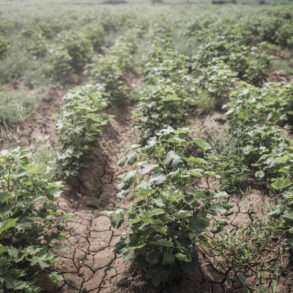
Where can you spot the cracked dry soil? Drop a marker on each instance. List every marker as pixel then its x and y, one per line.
pixel 87 260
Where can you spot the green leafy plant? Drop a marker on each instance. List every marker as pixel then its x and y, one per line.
pixel 262 154
pixel 29 222
pixel 82 121
pixel 275 29
pixel 241 254
pixel 71 57
pixel 15 106
pixel 37 45
pixel 161 106
pixel 170 209
pixel 250 63
pixel 218 81
pixel 61 69
pixel 96 34
pixel 170 92
pixel 285 35
pixel 229 162
pixel 108 72
pixel 110 69
pixel 79 49
pixel 284 211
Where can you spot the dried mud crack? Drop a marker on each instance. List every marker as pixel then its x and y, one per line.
pixel 87 260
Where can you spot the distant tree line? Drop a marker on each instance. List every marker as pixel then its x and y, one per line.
pixel 186 1
pixel 233 1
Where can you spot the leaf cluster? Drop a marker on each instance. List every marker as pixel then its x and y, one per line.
pixel 29 222
pixel 170 208
pixel 79 127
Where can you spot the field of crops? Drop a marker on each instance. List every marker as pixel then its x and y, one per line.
pixel 146 147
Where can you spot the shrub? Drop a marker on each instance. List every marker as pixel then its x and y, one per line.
pixel 71 57
pixel 50 29
pixel 37 45
pixel 79 127
pixel 218 80
pixel 259 154
pixel 250 63
pixel 165 63
pixel 271 104
pixel 230 164
pixel 125 47
pixel 28 221
pixel 96 34
pixel 79 48
pixel 251 269
pixel 263 153
pixel 111 23
pixel 110 69
pixel 170 91
pixel 169 210
pixel 264 28
pixel 108 72
pixel 61 68
pixel 161 106
pixel 285 35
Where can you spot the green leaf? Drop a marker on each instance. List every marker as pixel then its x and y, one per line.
pixel 281 183
pixel 56 278
pixel 117 218
pixel 288 216
pixel 156 212
pixel 131 158
pixel 163 243
pixel 14 253
pixel 128 179
pixel 158 180
pixel 7 225
pixel 202 144
pixel 259 174
pixel 172 159
pixel 183 257
pixel 145 169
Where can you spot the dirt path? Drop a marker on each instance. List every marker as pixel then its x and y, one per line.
pixel 87 261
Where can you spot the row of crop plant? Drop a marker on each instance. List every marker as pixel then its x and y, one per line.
pixel 84 114
pixel 170 181
pixel 256 153
pixel 29 190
